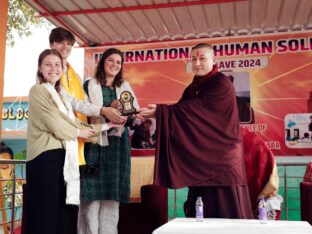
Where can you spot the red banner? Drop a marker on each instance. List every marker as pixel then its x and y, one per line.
pixel 271 75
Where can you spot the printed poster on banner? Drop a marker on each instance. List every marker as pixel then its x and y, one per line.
pixel 298 130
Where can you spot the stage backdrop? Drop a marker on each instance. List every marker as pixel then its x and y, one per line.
pixel 271 74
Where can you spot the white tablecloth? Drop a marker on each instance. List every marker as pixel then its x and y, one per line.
pixel 233 226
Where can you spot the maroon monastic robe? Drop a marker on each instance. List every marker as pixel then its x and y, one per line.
pixel 198 139
pixel 199 145
pixel 259 164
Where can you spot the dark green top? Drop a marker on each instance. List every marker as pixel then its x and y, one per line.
pixel 110 177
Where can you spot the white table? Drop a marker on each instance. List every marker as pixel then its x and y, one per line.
pixel 233 226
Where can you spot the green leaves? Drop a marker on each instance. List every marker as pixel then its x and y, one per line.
pixel 20 156
pixel 20 19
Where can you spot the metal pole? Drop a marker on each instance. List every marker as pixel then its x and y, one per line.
pixel 13 201
pixel 175 203
pixel 285 193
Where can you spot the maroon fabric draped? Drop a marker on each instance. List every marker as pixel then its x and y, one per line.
pixel 198 138
pixel 259 163
pixel 231 202
pixel 306 201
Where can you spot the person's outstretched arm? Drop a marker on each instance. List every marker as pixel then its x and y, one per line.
pixel 85 107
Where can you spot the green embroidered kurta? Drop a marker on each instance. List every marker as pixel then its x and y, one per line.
pixel 111 181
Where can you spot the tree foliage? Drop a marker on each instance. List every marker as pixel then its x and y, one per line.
pixel 20 19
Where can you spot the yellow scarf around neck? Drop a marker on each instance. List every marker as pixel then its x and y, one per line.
pixel 72 85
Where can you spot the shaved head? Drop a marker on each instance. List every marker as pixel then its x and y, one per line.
pixel 202 45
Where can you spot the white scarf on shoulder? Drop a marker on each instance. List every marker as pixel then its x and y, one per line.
pixel 96 97
pixel 71 164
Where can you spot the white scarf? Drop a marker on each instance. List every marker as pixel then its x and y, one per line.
pixel 71 164
pixel 96 97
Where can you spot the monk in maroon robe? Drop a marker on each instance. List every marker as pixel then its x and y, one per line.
pixel 199 142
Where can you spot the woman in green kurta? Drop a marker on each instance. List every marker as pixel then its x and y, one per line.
pixel 107 176
pixel 106 180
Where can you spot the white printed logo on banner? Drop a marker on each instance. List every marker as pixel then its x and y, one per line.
pixel 298 130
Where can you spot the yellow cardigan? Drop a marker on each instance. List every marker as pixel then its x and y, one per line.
pixel 47 126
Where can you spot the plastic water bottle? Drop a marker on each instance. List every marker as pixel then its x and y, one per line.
pixel 199 210
pixel 262 210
